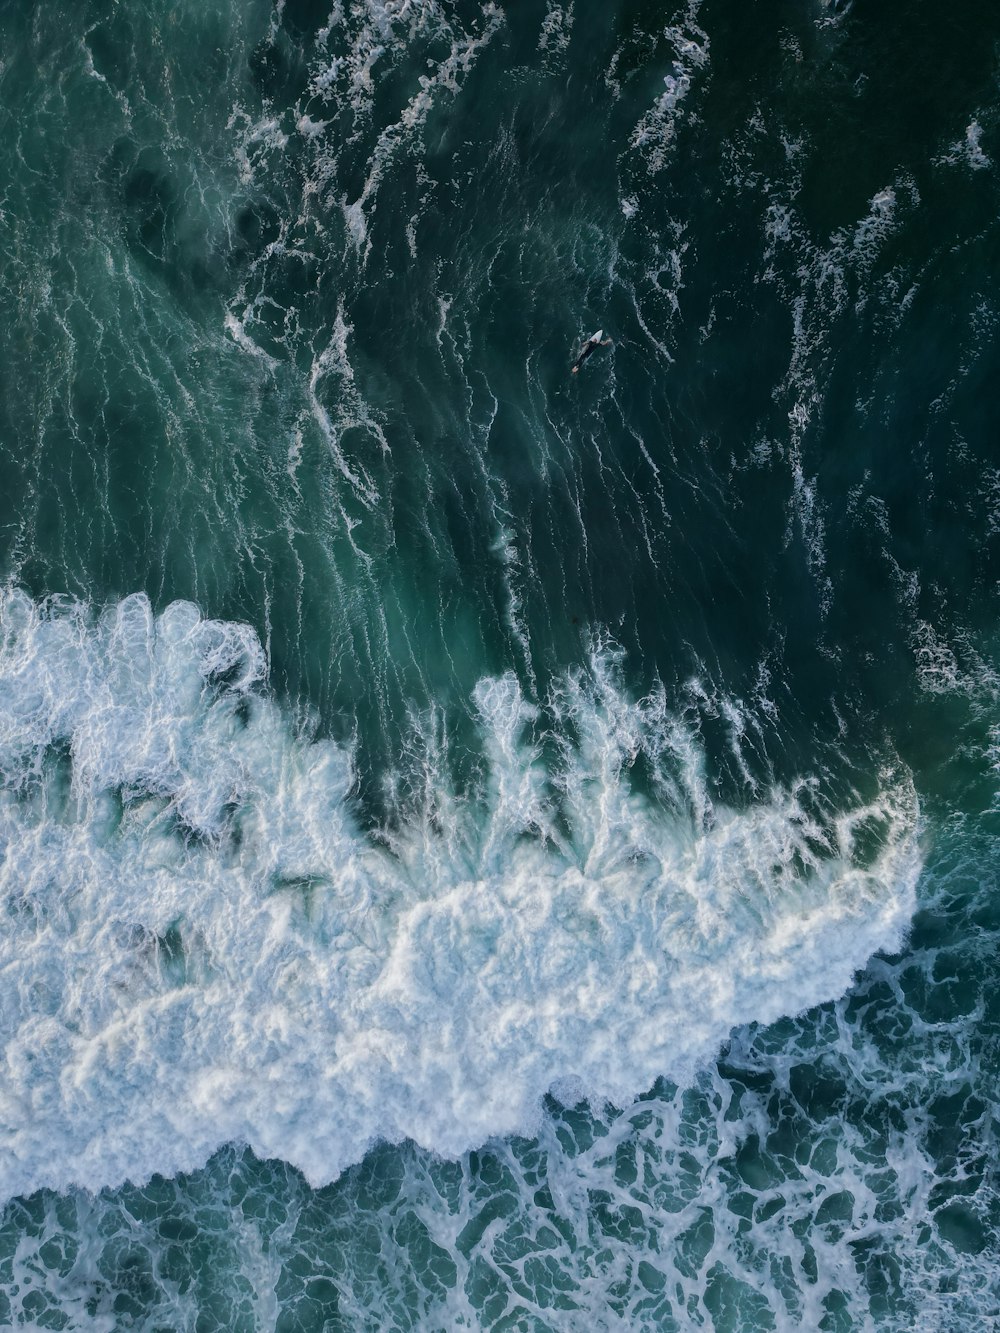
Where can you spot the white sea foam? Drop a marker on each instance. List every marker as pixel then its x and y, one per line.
pixel 199 944
pixel 554 38
pixel 818 287
pixel 968 150
pixel 379 34
pixel 954 667
pixel 351 409
pixel 653 136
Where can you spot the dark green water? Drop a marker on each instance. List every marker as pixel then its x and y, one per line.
pixel 484 847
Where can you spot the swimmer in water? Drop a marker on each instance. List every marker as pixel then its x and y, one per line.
pixel 592 343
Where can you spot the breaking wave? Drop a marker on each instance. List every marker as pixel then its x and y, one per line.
pixel 203 943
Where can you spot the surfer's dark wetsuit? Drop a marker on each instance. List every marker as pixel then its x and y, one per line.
pixel 591 345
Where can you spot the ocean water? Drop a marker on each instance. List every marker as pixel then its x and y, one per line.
pixel 483 847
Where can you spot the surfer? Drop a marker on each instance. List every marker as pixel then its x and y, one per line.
pixel 592 343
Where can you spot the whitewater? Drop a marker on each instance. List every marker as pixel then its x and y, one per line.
pixel 202 946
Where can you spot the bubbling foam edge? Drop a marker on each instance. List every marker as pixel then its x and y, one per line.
pixel 200 944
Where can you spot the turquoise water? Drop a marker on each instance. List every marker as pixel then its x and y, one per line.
pixel 483 847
